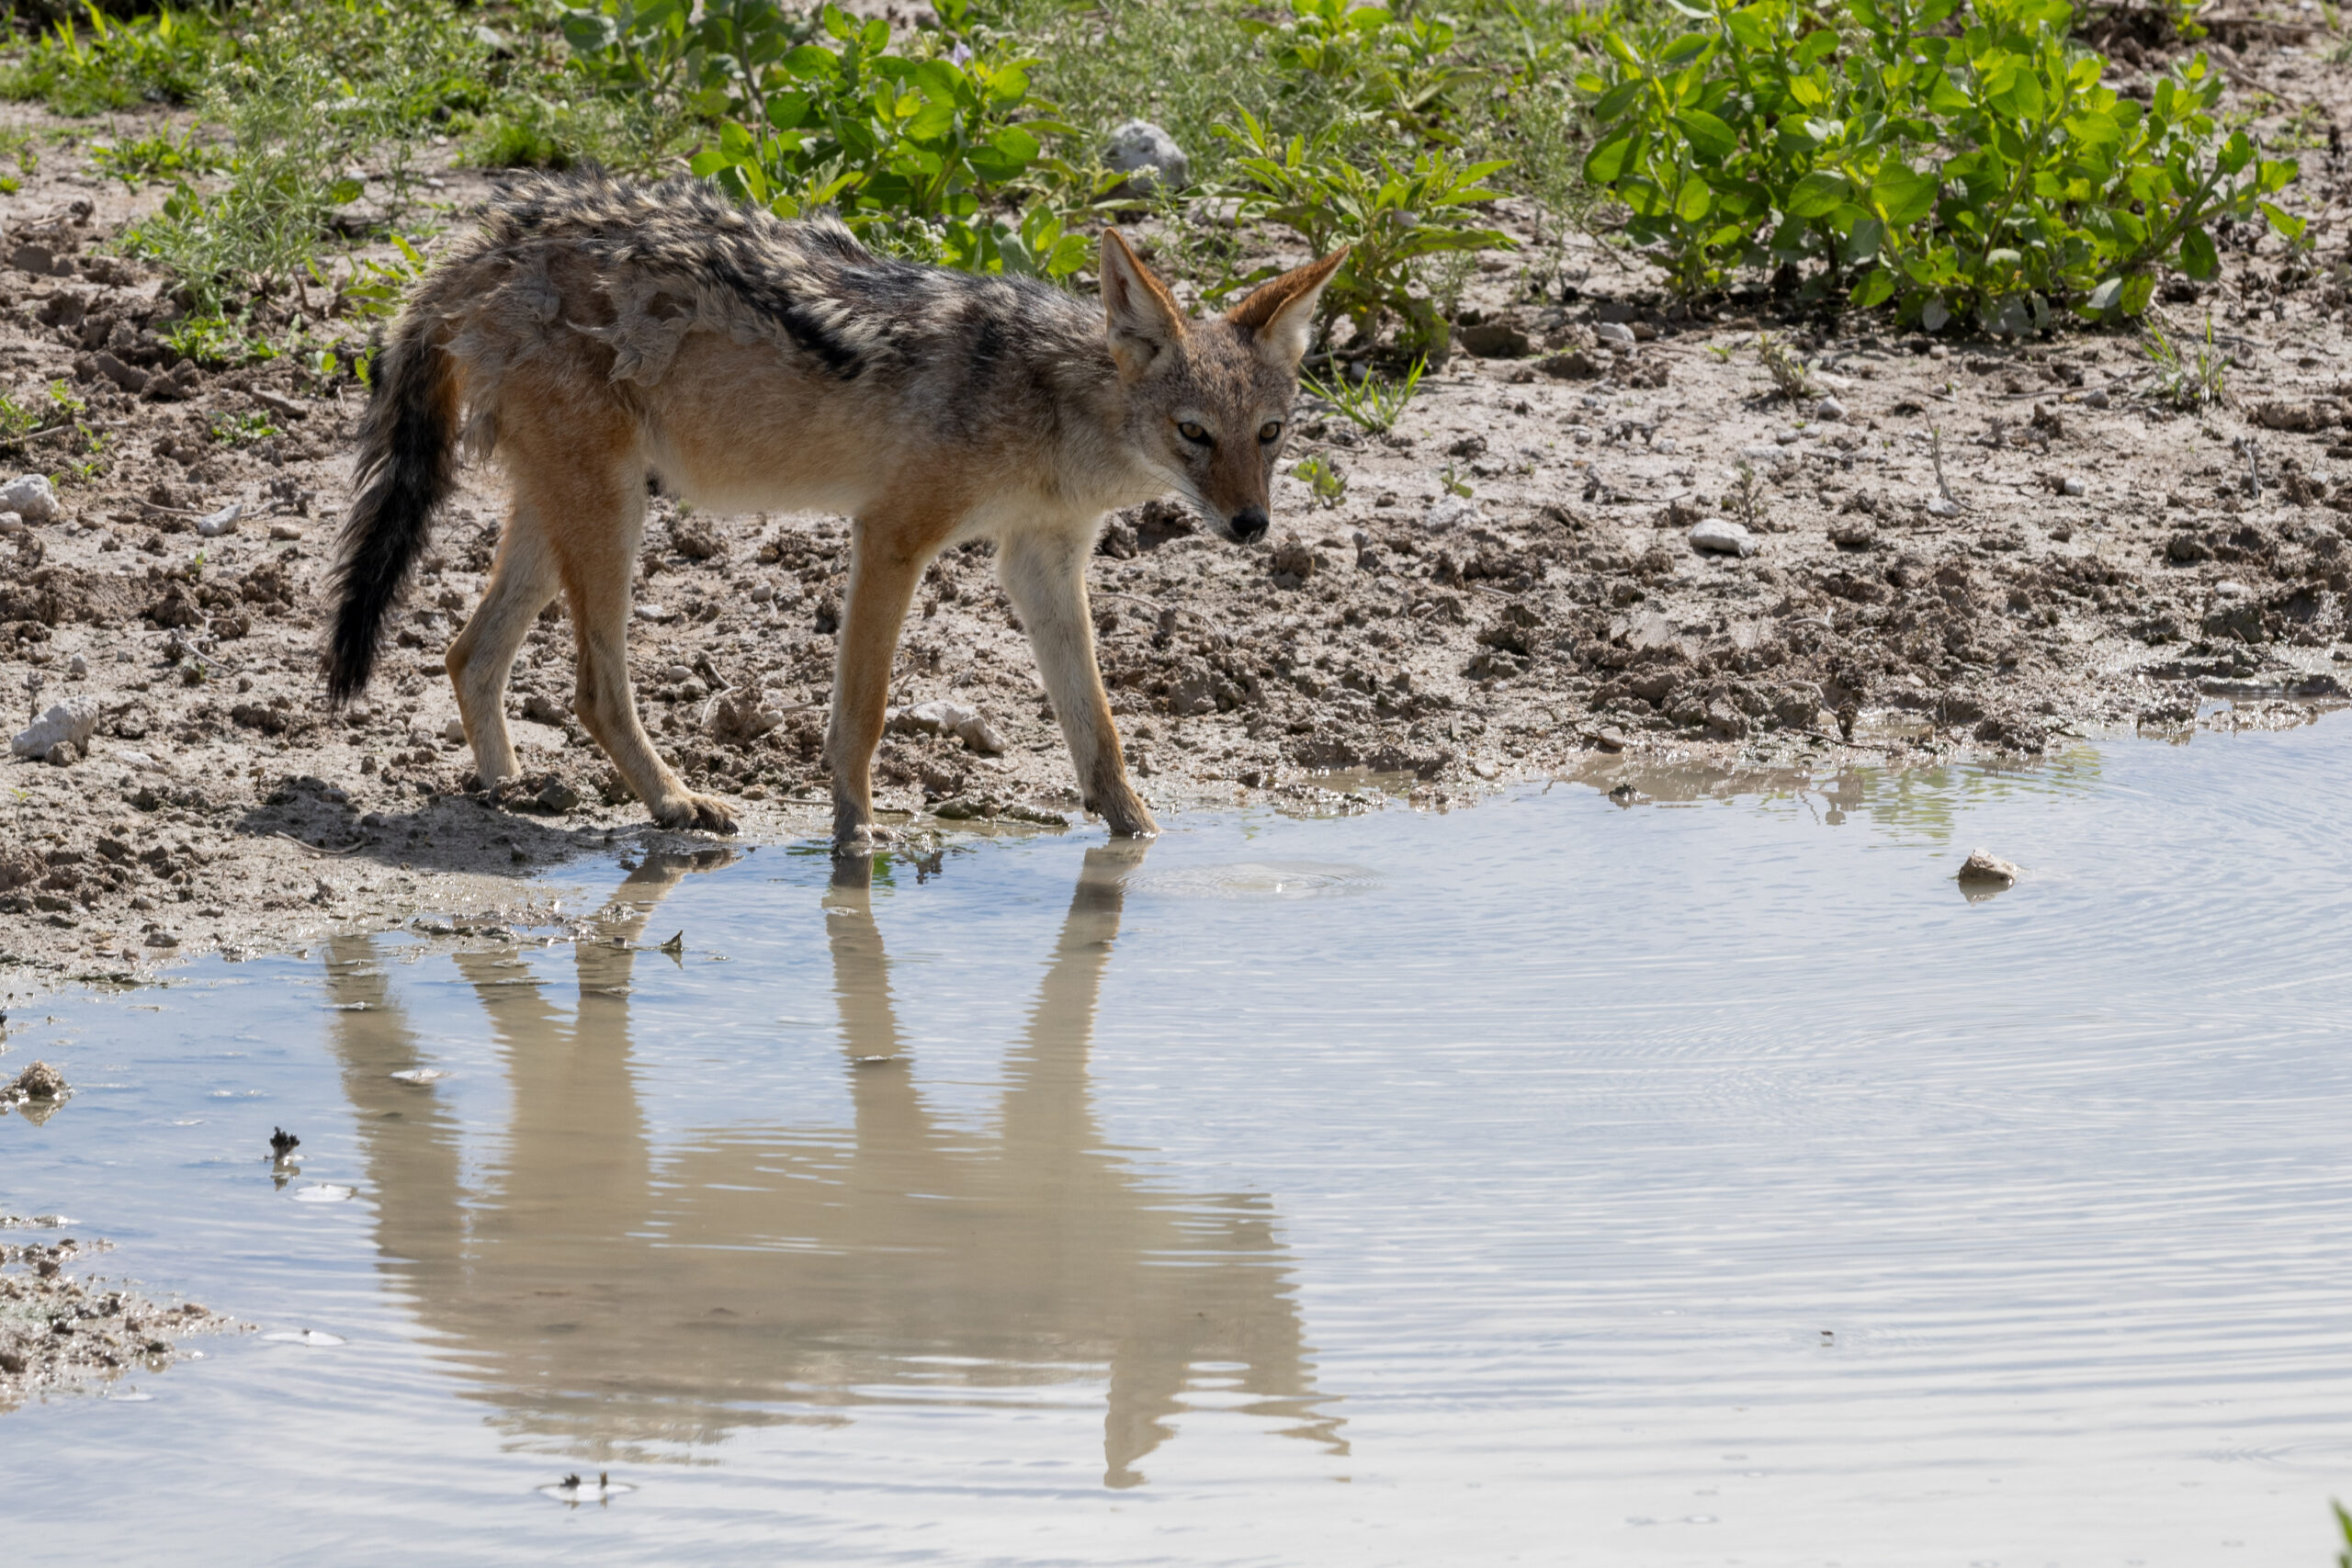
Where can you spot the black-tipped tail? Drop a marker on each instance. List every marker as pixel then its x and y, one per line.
pixel 408 464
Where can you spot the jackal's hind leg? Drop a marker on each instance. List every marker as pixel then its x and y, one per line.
pixel 886 562
pixel 520 585
pixel 1045 575
pixel 597 543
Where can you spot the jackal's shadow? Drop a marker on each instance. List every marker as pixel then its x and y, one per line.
pixel 610 1295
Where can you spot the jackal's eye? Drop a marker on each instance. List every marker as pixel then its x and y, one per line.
pixel 1271 432
pixel 1194 434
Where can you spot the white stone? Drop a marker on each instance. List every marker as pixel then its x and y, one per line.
pixel 1147 156
pixel 77 666
pixel 10 522
pixel 1723 536
pixel 1615 334
pixel 71 721
pixel 31 498
pixel 940 717
pixel 1943 506
pixel 214 524
pixel 139 762
pixel 1448 513
pixel 2073 485
pixel 454 731
pixel 1829 409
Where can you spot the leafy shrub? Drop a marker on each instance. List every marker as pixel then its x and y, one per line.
pixel 156 157
pixel 917 152
pixel 1980 169
pixel 1392 218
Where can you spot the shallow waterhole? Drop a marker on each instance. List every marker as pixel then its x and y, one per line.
pixel 1561 1179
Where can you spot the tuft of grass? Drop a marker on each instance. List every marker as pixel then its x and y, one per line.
pixel 1372 404
pixel 241 429
pixel 155 158
pixel 1791 379
pixel 2188 379
pixel 100 63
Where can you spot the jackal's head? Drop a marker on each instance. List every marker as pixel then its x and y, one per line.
pixel 1208 402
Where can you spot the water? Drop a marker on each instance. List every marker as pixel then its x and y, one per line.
pixel 1562 1180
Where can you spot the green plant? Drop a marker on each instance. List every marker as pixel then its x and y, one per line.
pixel 1365 59
pixel 215 341
pixel 1950 163
pixel 155 157
pixel 1450 483
pixel 107 62
pixel 1392 218
pixel 2192 380
pixel 1323 479
pixel 1371 404
pixel 2343 1524
pixel 916 152
pixel 1791 379
pixel 240 429
pixel 374 289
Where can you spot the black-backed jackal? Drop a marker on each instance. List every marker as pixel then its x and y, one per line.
pixel 598 330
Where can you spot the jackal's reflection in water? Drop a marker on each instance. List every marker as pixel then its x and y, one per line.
pixel 608 1296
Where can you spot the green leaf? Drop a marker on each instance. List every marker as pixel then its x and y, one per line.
pixel 344 190
pixel 1902 196
pixel 1710 137
pixel 1818 195
pixel 1876 287
pixel 2286 223
pixel 1610 161
pixel 2198 257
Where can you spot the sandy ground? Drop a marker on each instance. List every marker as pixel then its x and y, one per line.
pixel 63 1327
pixel 2103 563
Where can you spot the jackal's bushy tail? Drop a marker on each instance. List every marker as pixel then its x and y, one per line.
pixel 408 466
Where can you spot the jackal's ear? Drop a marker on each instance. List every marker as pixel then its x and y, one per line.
pixel 1279 315
pixel 1139 315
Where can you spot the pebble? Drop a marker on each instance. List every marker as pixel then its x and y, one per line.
pixel 2073 484
pixel 2230 587
pixel 212 525
pixel 1943 506
pixel 1146 154
pixel 656 613
pixel 77 666
pixel 1760 453
pixel 1722 536
pixel 941 717
pixel 1617 334
pixel 1830 409
pixel 1981 866
pixel 11 523
pixel 32 498
pixel 1449 512
pixel 454 731
pixel 71 721
pixel 2096 400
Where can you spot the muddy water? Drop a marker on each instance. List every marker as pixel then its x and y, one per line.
pixel 1670 1177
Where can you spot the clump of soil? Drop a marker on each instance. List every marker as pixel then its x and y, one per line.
pixel 60 1329
pixel 1950 544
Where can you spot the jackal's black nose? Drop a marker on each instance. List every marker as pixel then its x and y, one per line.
pixel 1250 524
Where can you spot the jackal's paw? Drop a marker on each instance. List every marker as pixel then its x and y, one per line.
pixel 862 839
pixel 704 811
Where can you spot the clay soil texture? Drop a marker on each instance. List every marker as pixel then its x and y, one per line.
pixel 1503 586
pixel 62 1327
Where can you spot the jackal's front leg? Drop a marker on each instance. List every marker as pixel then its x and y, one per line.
pixel 884 563
pixel 1044 574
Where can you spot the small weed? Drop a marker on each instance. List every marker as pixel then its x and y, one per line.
pixel 154 158
pixel 2344 1524
pixel 1371 404
pixel 2188 381
pixel 108 64
pixel 216 343
pixel 1450 481
pixel 1746 498
pixel 1791 379
pixel 1329 486
pixel 241 429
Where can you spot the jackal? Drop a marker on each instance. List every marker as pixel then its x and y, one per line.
pixel 598 333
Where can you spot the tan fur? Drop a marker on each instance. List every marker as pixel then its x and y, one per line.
pixel 600 331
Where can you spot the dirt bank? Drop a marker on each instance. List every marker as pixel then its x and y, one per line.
pixel 1506 585
pixel 63 1327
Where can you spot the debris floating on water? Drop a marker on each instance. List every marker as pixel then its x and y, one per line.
pixel 1981 866
pixel 39 1082
pixel 282 1143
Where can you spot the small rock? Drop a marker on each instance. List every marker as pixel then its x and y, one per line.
pixel 1829 409
pixel 2097 398
pixel 1943 506
pixel 659 615
pixel 1614 334
pixel 162 939
pixel 11 523
pixel 1449 512
pixel 1723 536
pixel 1853 533
pixel 942 717
pixel 73 720
pixel 1483 769
pixel 2073 484
pixel 1576 366
pixel 284 531
pixel 1148 156
pixel 39 1082
pixel 454 731
pixel 1609 739
pixel 557 796
pixel 32 498
pixel 61 754
pixel 212 525
pixel 77 666
pixel 1983 867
